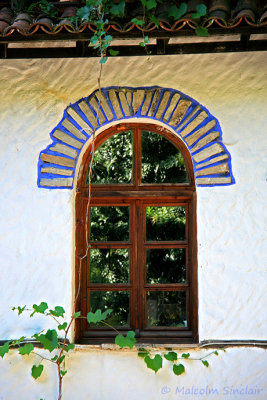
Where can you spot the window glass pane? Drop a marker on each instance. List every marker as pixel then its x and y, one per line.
pixel 113 160
pixel 165 266
pixel 109 223
pixel 166 309
pixel 109 265
pixel 162 162
pixel 165 223
pixel 118 302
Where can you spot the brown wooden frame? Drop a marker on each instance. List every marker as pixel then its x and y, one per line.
pixel 137 195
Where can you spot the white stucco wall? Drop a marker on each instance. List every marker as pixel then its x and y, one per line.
pixel 36 232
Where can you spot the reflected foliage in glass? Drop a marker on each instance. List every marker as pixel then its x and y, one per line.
pixel 109 223
pixel 166 266
pixel 113 160
pixel 165 223
pixel 162 162
pixel 166 309
pixel 109 265
pixel 118 302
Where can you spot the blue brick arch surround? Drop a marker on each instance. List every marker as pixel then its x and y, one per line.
pixel 192 122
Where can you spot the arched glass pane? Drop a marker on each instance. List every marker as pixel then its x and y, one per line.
pixel 162 162
pixel 113 160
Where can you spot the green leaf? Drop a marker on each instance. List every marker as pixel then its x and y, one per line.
pixel 146 39
pixel 149 4
pixel 37 371
pixel 205 362
pixel 154 363
pixel 54 358
pixel 63 372
pixel 171 356
pixel 48 340
pixel 137 21
pixel 108 38
pixel 216 353
pixel 202 31
pixel 58 311
pixel 155 20
pixel 103 60
pixel 117 9
pixel 77 314
pixel 26 349
pixel 61 359
pixel 113 52
pixel 127 341
pixel 185 355
pixel 98 315
pixel 20 309
pixel 178 369
pixel 201 9
pixel 142 352
pixel 176 12
pixel 39 309
pixel 4 349
pixel 62 326
pixel 69 347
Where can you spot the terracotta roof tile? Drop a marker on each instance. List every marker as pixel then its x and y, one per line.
pixel 222 14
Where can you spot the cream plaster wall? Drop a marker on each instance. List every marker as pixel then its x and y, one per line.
pixel 36 233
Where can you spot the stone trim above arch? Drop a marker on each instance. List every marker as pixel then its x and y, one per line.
pixel 192 122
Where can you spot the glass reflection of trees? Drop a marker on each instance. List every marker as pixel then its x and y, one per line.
pixel 162 162
pixel 113 160
pixel 165 223
pixel 116 301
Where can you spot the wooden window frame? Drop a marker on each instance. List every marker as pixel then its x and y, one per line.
pixel 136 196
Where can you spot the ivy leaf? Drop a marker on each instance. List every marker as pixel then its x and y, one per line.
pixel 171 356
pixel 62 326
pixel 63 372
pixel 137 21
pixel 83 13
pixel 155 20
pixel 61 359
pixel 4 349
pixel 26 349
pixel 201 11
pixel 54 358
pixel 149 4
pixel 178 369
pixel 37 371
pixel 143 352
pixel 39 309
pixel 205 362
pixel 69 347
pixel 113 52
pixel 58 311
pixel 108 38
pixel 20 309
pixel 216 353
pixel 185 355
pixel 118 9
pixel 176 12
pixel 103 60
pixel 98 315
pixel 48 340
pixel 94 40
pixel 202 31
pixel 127 341
pixel 154 363
pixel 77 314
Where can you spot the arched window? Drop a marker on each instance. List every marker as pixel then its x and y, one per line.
pixel 140 230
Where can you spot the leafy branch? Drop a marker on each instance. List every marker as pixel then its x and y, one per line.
pixel 156 362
